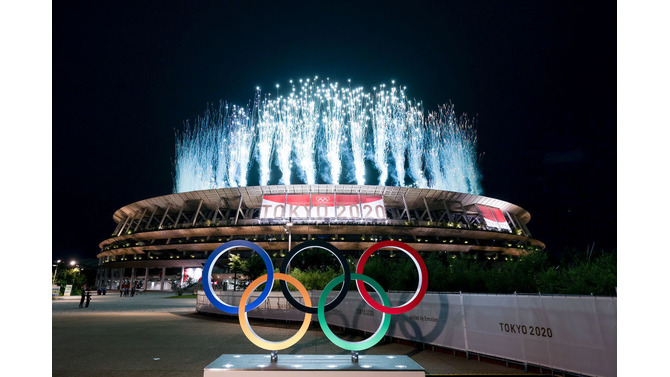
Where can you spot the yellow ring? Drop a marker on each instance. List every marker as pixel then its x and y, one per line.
pixel 244 321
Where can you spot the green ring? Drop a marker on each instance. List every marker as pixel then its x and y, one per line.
pixel 363 344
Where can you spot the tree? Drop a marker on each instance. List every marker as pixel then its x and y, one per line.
pixel 531 272
pixel 72 276
pixel 249 269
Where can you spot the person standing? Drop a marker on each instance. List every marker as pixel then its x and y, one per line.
pixel 88 298
pixel 83 296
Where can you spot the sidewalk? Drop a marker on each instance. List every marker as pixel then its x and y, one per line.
pixel 153 335
pixel 113 303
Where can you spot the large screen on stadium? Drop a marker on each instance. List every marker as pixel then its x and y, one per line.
pixel 321 206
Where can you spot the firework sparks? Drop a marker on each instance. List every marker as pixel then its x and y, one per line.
pixel 326 134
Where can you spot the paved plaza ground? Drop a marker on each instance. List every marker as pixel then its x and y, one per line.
pixel 153 335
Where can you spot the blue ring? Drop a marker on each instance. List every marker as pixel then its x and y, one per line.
pixel 207 272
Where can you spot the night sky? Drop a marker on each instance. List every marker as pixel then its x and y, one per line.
pixel 539 76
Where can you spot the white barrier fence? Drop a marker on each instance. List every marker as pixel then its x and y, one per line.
pixel 576 334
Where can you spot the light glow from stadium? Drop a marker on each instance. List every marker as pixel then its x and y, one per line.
pixel 325 133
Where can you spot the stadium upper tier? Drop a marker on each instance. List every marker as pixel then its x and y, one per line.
pixel 182 229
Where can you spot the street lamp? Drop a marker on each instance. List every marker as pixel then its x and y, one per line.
pixel 288 230
pixel 53 280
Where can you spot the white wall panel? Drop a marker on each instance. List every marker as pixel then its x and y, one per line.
pixel 571 333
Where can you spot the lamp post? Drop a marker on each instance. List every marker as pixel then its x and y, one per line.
pixel 289 224
pixel 53 280
pixel 287 229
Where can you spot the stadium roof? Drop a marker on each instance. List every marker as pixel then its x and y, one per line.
pixel 252 197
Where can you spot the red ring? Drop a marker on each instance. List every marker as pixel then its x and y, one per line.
pixel 423 278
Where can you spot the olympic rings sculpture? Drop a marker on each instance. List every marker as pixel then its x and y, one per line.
pixel 322 307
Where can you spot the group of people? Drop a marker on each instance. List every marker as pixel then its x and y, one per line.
pixel 125 290
pixel 85 295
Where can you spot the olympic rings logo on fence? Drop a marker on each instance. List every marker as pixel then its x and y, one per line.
pixel 322 307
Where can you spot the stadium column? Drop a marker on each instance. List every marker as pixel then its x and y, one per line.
pixel 511 220
pixel 430 217
pixel 146 279
pixel 195 217
pixel 162 279
pixel 132 277
pixel 404 202
pixel 525 229
pixel 140 220
pixel 446 212
pixel 239 210
pixel 160 226
pixel 123 226
pixel 118 227
pixel 114 273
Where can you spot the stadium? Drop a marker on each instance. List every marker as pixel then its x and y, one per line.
pixel 326 162
pixel 160 239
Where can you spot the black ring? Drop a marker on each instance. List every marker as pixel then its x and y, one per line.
pixel 345 267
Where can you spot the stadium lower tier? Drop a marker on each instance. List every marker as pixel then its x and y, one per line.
pixel 177 232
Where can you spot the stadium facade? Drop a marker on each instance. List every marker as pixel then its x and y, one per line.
pixel 159 243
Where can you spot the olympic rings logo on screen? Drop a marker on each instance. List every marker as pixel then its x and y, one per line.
pixel 322 307
pixel 322 199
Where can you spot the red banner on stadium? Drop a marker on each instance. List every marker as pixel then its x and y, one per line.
pixel 319 206
pixel 494 217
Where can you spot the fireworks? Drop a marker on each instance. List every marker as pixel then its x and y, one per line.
pixel 321 132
